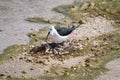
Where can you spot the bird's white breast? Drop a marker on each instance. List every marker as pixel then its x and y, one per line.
pixel 56 38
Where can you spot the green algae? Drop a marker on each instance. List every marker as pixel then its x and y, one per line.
pixel 11 51
pixel 39 20
pixel 38 36
pixel 46 21
pixel 14 50
pixel 106 8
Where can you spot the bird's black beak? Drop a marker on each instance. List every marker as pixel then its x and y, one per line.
pixel 47 35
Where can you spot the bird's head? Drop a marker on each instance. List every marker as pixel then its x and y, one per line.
pixel 50 31
pixel 50 28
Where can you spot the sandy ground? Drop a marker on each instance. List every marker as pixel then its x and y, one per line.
pixel 15 68
pixel 14 29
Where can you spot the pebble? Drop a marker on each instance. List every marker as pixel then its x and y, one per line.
pixel 24 72
pixel 29 59
pixel 2 74
pixel 8 76
pixel 66 73
pixel 84 6
pixel 20 58
pixel 31 68
pixel 46 71
pixel 12 58
pixel 92 5
pixel 32 46
pixel 62 49
pixel 55 51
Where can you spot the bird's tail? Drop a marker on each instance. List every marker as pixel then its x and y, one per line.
pixel 80 22
pixel 74 27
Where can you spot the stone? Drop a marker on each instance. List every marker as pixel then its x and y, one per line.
pixel 2 74
pixel 84 6
pixel 92 5
pixel 24 72
pixel 12 58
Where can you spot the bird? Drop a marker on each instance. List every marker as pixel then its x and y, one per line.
pixel 59 34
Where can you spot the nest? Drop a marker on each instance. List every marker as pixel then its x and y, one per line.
pixel 57 48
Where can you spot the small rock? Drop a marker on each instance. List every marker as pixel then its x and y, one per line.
pixel 12 58
pixel 104 39
pixel 32 46
pixel 31 68
pixel 64 19
pixel 55 51
pixel 92 5
pixel 29 59
pixel 20 58
pixel 81 47
pixel 92 49
pixel 84 6
pixel 41 62
pixel 2 74
pixel 66 73
pixel 31 29
pixel 105 43
pixel 96 54
pixel 50 21
pixel 24 72
pixel 87 64
pixel 46 70
pixel 74 9
pixel 34 34
pixel 74 68
pixel 87 60
pixel 87 38
pixel 108 10
pixel 9 76
pixel 81 22
pixel 6 72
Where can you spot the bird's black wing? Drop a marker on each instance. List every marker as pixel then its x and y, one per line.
pixel 64 31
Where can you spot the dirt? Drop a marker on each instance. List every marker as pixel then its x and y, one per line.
pixel 21 69
pixel 94 26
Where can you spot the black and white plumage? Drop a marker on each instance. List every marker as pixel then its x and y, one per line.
pixel 59 34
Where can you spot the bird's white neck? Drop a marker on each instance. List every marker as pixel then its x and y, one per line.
pixel 56 38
